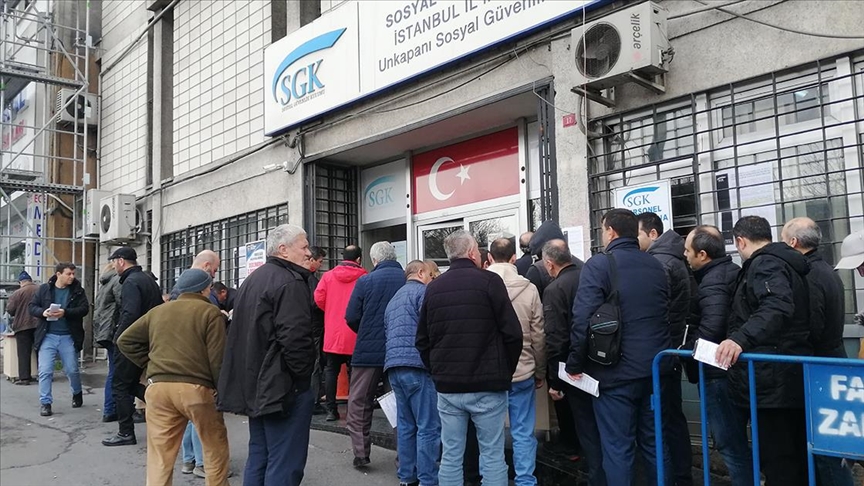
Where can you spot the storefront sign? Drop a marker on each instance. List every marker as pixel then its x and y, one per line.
pixel 476 170
pixel 383 192
pixel 33 257
pixel 836 407
pixel 655 197
pixel 361 47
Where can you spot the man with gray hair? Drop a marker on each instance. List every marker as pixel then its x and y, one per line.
pixel 470 339
pixel 267 369
pixel 365 316
pixel 827 319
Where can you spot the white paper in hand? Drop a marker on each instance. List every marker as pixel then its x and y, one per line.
pixel 587 384
pixel 388 406
pixel 706 352
pixel 53 308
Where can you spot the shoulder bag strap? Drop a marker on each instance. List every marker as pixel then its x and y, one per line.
pixel 613 276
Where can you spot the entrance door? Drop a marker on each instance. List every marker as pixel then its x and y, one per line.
pixel 486 228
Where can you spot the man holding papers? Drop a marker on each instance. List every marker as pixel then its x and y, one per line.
pixel 623 409
pixel 716 274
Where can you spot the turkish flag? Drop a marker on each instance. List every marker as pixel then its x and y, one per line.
pixel 475 170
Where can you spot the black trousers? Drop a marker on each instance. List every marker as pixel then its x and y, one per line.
pixel 24 340
pixel 126 384
pixel 581 406
pixel 675 432
pixel 783 446
pixel 331 377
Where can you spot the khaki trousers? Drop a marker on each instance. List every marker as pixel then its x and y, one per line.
pixel 169 407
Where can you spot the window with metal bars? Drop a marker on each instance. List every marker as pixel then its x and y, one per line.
pixel 334 216
pixel 782 146
pixel 227 237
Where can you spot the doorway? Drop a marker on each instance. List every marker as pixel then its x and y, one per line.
pixel 485 228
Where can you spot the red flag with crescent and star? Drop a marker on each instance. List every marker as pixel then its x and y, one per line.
pixel 475 170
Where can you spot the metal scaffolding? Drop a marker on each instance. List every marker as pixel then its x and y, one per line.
pixel 42 161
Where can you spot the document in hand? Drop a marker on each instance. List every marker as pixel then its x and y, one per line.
pixel 706 352
pixel 53 308
pixel 388 406
pixel 586 383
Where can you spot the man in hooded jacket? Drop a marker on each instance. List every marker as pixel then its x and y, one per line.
pixel 668 248
pixel 771 315
pixel 105 316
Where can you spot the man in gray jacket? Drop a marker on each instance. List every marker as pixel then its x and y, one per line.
pixel 105 314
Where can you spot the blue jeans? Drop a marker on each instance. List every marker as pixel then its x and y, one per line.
pixel 624 415
pixel 830 471
pixel 192 451
pixel 523 413
pixel 419 428
pixel 729 428
pixel 53 345
pixel 486 410
pixel 279 445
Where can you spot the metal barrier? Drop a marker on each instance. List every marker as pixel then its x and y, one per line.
pixel 822 388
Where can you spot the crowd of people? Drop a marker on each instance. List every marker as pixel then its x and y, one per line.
pixel 464 352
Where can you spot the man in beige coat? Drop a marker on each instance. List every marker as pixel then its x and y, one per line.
pixel 532 363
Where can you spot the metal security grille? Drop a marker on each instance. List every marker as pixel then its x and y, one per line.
pixel 548 162
pixel 227 237
pixel 781 146
pixel 334 216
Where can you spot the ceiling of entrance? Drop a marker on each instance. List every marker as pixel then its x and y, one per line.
pixel 493 115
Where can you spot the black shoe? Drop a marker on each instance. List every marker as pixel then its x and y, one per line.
pixel 415 483
pixel 318 410
pixel 120 440
pixel 23 382
pixel 45 411
pixel 361 462
pixel 77 400
pixel 109 418
pixel 332 416
pixel 139 417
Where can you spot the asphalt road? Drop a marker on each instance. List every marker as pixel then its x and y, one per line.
pixel 66 449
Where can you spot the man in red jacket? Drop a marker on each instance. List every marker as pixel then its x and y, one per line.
pixel 332 295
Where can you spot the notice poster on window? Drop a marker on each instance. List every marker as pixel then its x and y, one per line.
pixel 256 255
pixel 750 194
pixel 575 236
pixel 401 248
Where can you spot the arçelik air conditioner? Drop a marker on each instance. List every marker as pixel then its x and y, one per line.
pixel 84 108
pixel 117 219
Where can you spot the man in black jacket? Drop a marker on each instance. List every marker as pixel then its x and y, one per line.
pixel 558 303
pixel 470 339
pixel 138 294
pixel 827 319
pixel 668 248
pixel 716 275
pixel 313 264
pixel 771 314
pixel 267 369
pixel 59 332
pixel 537 273
pixel 526 260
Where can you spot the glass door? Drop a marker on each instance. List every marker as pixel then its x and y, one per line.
pixel 430 238
pixel 486 228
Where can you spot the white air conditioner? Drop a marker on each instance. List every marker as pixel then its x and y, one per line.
pixel 84 108
pixel 117 219
pixel 612 50
pixel 92 209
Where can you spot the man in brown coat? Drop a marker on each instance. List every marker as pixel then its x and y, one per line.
pixel 24 325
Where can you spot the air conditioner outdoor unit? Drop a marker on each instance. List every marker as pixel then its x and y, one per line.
pixel 117 218
pixel 625 46
pixel 84 108
pixel 92 211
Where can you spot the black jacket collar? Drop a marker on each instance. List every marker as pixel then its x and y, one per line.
pixel 623 244
pixel 303 272
pixel 462 263
pixel 700 274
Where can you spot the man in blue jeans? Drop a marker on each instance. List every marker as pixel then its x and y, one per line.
pixel 623 409
pixel 531 370
pixel 716 274
pixel 419 428
pixel 61 305
pixel 470 339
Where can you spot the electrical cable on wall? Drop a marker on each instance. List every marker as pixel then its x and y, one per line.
pixel 784 29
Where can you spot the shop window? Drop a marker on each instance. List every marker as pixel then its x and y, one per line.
pixel 227 237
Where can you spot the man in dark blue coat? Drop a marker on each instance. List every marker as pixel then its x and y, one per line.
pixel 716 275
pixel 623 409
pixel 365 315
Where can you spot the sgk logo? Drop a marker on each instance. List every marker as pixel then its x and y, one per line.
pixel 292 84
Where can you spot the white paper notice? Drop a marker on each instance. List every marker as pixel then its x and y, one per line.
pixel 575 236
pixel 706 352
pixel 388 405
pixel 587 384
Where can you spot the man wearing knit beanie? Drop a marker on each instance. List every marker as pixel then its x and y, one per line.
pixel 181 344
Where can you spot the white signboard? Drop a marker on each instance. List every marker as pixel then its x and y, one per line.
pixel 384 192
pixel 364 46
pixel 655 197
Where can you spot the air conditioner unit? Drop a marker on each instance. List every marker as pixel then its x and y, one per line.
pixel 84 108
pixel 625 46
pixel 92 210
pixel 117 219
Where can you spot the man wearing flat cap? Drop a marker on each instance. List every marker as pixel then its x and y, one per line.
pixel 23 324
pixel 138 294
pixel 181 343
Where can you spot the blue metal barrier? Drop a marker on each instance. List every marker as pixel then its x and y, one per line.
pixel 821 379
